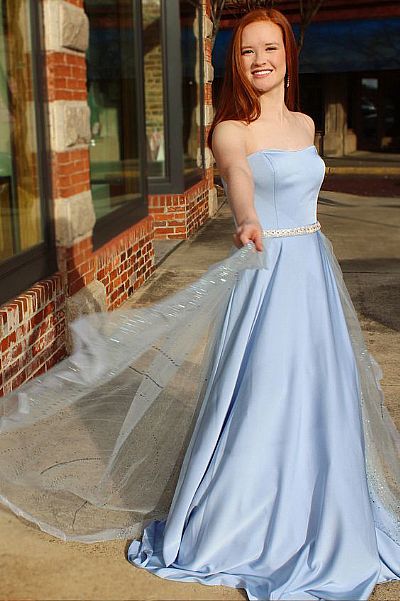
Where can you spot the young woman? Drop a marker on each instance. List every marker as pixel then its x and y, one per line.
pixel 274 496
pixel 239 425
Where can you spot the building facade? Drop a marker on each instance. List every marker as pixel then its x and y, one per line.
pixel 104 108
pixel 349 71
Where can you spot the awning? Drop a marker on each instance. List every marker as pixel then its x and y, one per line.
pixel 337 46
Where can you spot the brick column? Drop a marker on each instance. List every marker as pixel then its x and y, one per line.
pixel 66 41
pixel 179 215
pixel 94 280
pixel 208 105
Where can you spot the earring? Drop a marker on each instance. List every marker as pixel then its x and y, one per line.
pixel 287 80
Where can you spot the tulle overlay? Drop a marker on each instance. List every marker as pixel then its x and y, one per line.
pixel 92 449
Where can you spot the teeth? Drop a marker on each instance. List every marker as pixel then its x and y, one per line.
pixel 263 71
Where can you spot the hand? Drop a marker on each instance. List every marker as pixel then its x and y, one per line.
pixel 249 230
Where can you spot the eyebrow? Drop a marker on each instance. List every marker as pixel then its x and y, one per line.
pixel 265 43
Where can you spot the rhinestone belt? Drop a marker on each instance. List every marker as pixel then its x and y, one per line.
pixel 293 231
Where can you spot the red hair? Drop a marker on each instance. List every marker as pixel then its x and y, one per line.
pixel 238 100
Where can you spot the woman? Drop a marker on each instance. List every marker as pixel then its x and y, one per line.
pixel 241 421
pixel 273 495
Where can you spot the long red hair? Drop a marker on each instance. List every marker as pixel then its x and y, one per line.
pixel 238 100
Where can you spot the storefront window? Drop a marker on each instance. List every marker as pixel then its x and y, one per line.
pixel 21 226
pixel 112 95
pixel 154 87
pixel 191 39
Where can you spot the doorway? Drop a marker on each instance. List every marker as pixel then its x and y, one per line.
pixel 376 111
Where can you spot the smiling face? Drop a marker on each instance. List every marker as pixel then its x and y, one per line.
pixel 263 55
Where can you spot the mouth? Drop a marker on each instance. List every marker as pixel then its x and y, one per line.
pixel 261 73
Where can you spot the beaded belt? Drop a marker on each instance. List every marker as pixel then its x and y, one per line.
pixel 293 231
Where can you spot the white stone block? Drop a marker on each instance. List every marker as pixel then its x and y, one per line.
pixel 208 114
pixel 208 72
pixel 209 158
pixel 74 218
pixel 66 26
pixel 212 202
pixel 207 27
pixel 90 299
pixel 74 27
pixel 199 158
pixel 51 17
pixel 69 124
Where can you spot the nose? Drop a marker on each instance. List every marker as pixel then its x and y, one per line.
pixel 259 59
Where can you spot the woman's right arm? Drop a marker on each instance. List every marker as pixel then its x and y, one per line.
pixel 229 150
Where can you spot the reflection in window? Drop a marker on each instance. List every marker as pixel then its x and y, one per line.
pixel 20 214
pixel 190 51
pixel 369 111
pixel 391 110
pixel 114 148
pixel 154 87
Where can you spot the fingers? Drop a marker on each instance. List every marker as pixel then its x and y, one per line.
pixel 258 241
pixel 240 240
pixel 236 241
pixel 243 238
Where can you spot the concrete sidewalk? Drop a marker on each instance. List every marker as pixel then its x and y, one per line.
pixel 364 162
pixel 365 233
pixel 359 162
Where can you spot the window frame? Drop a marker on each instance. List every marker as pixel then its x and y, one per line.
pixel 175 181
pixel 119 220
pixel 19 272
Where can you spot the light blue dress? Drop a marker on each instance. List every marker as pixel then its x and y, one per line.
pixel 272 496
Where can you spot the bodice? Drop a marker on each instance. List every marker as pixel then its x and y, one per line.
pixel 286 185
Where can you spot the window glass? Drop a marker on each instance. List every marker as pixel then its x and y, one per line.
pixel 390 110
pixel 112 88
pixel 369 109
pixel 154 86
pixel 20 211
pixel 191 98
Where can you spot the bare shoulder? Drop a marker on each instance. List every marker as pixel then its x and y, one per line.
pixel 229 145
pixel 307 120
pixel 227 132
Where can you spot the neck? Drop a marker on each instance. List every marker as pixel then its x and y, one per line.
pixel 273 107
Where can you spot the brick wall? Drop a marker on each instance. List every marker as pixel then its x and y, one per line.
pixel 122 267
pixel 179 215
pixel 34 326
pixel 32 333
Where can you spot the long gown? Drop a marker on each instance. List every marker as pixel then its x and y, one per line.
pixel 272 496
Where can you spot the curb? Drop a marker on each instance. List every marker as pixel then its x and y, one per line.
pixel 362 170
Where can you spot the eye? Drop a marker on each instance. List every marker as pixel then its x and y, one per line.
pixel 249 49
